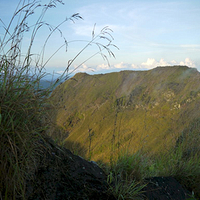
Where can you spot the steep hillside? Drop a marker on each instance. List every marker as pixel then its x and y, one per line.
pixel 150 110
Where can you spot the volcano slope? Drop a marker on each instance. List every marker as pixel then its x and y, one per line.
pixel 152 111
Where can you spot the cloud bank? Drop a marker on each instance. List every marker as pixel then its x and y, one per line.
pixel 150 63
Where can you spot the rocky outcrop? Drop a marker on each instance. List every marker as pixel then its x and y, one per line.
pixel 164 188
pixel 63 175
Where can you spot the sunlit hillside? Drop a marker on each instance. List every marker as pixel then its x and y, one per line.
pixel 99 115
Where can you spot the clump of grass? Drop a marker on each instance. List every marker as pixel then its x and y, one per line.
pixel 124 189
pixel 20 127
pixel 133 164
pixel 186 169
pixel 23 103
pixel 125 175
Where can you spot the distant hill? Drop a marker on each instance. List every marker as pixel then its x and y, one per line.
pixel 149 110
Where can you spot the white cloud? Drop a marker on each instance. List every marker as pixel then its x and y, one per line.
pixel 103 66
pixel 188 62
pixel 133 66
pixel 82 68
pixel 151 63
pixel 120 65
pixel 162 62
pixel 174 62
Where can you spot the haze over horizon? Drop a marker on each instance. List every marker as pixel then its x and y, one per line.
pixel 148 33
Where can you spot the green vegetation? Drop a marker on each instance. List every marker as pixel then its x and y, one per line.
pixel 153 112
pixel 147 110
pixel 21 107
pixel 126 175
pixel 132 168
pixel 120 124
pixel 23 101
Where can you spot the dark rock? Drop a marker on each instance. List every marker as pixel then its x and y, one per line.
pixel 63 175
pixel 164 188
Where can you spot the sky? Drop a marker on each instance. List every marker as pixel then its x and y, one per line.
pixel 147 33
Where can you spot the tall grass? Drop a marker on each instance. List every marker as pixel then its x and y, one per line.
pixel 125 175
pixel 20 126
pixel 23 103
pixel 129 171
pixel 176 163
pixel 23 106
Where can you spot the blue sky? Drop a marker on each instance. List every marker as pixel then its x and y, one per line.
pixel 148 33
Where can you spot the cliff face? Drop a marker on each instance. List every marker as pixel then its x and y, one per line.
pixel 149 110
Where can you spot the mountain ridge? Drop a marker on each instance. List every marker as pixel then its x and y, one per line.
pixel 129 109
